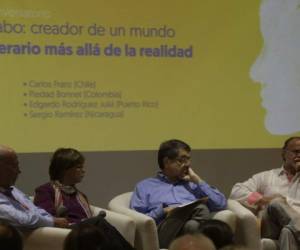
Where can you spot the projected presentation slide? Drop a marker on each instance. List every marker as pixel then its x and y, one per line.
pixel 126 75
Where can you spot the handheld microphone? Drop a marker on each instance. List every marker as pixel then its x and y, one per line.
pixel 102 214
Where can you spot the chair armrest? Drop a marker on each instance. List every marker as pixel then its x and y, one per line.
pixel 247 232
pixel 146 234
pixel 45 238
pixel 124 224
pixel 228 217
pixel 49 238
pixel 268 244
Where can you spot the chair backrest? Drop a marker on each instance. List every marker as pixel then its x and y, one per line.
pixel 123 199
pixel 146 237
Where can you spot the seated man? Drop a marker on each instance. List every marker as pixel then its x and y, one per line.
pixel 15 207
pixel 275 196
pixel 175 184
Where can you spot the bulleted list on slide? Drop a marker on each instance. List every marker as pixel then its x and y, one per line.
pixel 80 99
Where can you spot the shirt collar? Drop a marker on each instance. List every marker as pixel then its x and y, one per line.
pixel 161 176
pixel 4 190
pixel 282 171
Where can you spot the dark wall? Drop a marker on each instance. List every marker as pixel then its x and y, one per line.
pixel 112 173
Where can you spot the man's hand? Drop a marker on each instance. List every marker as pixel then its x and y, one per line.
pixel 61 222
pixel 265 200
pixel 192 176
pixel 167 210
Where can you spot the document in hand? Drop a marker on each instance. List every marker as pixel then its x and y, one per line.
pixel 187 208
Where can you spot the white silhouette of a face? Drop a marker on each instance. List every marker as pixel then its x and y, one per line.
pixel 277 68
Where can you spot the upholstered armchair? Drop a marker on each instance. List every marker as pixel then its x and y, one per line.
pixel 248 230
pixel 146 237
pixel 51 238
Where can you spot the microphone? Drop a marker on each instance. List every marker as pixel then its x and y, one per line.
pixel 102 214
pixel 62 211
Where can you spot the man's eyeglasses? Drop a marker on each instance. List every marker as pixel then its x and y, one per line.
pixel 183 160
pixel 80 167
pixel 294 152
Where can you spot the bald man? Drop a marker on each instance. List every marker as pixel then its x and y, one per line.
pixel 15 207
pixel 192 242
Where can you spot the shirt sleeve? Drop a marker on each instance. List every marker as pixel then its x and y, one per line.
pixel 139 203
pixel 23 214
pixel 248 192
pixel 216 200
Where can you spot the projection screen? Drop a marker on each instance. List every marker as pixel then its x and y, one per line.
pixel 125 75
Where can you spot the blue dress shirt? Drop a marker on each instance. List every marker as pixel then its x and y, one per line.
pixel 153 194
pixel 19 211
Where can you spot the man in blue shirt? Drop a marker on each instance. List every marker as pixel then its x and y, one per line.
pixel 175 184
pixel 15 207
